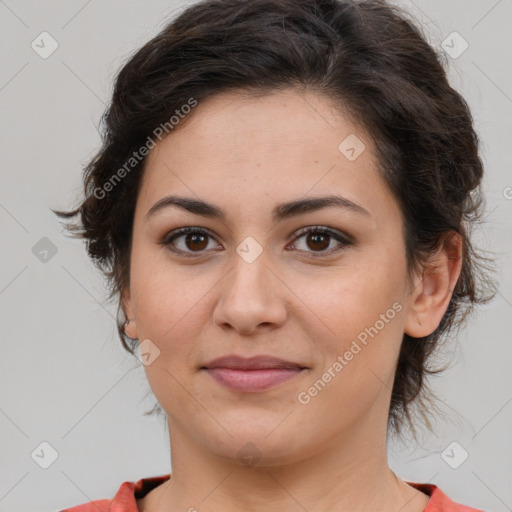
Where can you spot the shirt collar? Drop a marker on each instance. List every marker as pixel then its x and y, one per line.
pixel 129 492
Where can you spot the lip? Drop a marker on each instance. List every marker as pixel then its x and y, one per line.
pixel 252 374
pixel 263 362
pixel 252 381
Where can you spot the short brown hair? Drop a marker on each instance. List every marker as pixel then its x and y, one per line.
pixel 367 56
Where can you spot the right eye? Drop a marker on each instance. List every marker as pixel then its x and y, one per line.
pixel 193 240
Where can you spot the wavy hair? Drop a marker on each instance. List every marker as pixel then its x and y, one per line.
pixel 366 55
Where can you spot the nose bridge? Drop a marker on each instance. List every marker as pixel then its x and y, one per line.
pixel 251 274
pixel 251 294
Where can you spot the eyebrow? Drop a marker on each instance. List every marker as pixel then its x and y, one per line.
pixel 279 212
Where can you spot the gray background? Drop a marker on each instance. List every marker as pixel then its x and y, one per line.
pixel 64 376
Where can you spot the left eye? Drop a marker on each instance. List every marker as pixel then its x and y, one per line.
pixel 317 238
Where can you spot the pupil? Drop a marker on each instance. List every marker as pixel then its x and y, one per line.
pixel 197 239
pixel 317 241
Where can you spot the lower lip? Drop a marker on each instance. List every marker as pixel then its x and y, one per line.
pixel 252 380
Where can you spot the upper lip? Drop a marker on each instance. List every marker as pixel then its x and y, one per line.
pixel 236 362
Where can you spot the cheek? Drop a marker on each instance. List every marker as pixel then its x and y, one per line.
pixel 170 305
pixel 357 360
pixel 353 297
pixel 171 310
pixel 163 292
pixel 173 319
pixel 360 317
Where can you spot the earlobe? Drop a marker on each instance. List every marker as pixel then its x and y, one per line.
pixel 433 290
pixel 130 326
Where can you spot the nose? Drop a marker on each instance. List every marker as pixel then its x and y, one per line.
pixel 252 297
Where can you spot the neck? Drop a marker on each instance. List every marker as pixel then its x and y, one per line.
pixel 353 476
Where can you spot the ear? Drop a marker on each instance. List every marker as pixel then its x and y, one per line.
pixel 433 290
pixel 131 329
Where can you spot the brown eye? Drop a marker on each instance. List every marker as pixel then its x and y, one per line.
pixel 321 241
pixel 318 241
pixel 196 242
pixel 187 241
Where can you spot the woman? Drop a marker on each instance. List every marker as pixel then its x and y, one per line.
pixel 281 206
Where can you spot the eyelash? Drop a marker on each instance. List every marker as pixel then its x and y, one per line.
pixel 338 236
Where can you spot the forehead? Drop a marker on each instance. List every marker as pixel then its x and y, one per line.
pixel 290 122
pixel 272 147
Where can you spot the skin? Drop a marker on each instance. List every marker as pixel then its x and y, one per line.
pixel 245 155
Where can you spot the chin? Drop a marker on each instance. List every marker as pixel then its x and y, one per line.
pixel 258 445
pixel 258 453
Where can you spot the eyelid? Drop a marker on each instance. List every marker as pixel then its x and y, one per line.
pixel 341 237
pixel 326 229
pixel 176 233
pixel 344 239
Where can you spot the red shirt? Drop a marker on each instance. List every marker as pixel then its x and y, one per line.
pixel 124 500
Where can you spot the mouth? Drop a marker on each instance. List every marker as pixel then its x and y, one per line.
pixel 253 374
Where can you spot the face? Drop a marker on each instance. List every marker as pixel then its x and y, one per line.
pixel 323 287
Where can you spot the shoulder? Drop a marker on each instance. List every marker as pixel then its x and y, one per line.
pixel 439 501
pixel 125 499
pixel 92 506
